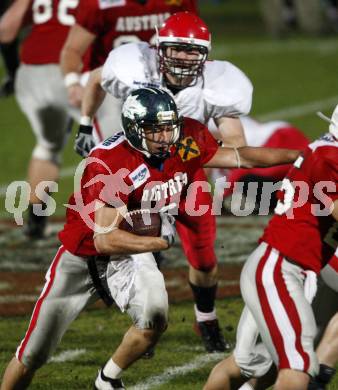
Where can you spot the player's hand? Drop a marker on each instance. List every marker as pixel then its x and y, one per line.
pixel 84 141
pixel 168 229
pixel 310 285
pixel 75 94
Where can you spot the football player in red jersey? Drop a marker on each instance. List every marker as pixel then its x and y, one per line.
pixel 103 25
pixel 40 92
pixel 271 134
pixel 208 91
pixel 151 164
pixel 278 281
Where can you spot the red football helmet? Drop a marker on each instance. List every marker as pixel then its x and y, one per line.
pixel 183 31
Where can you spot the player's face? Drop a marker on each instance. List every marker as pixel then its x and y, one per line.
pixel 159 138
pixel 184 57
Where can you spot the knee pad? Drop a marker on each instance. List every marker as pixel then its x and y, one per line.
pixel 148 299
pixel 42 152
pixel 155 312
pixel 204 263
pixel 255 363
pixel 151 312
pixel 33 360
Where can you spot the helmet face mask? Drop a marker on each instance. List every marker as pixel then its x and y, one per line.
pixel 183 44
pixel 184 71
pixel 150 122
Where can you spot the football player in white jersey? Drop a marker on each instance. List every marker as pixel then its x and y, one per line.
pixel 204 90
pixel 214 91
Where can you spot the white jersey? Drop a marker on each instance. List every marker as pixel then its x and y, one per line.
pixel 224 90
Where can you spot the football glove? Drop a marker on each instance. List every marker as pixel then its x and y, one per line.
pixel 84 141
pixel 168 229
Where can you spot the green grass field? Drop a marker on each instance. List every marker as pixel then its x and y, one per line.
pixel 293 78
pixel 179 363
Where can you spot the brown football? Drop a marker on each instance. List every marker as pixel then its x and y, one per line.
pixel 142 223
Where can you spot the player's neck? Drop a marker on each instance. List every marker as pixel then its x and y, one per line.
pixel 156 162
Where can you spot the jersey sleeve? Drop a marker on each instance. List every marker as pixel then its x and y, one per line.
pixel 227 91
pixel 107 184
pixel 210 146
pixel 207 145
pixel 122 68
pixel 325 169
pixel 89 16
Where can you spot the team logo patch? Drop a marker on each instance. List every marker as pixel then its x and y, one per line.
pixel 174 3
pixel 104 4
pixel 139 176
pixel 188 149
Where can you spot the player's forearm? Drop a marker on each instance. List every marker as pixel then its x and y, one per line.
pixel 70 60
pixel 119 242
pixel 93 95
pixel 74 48
pixel 251 157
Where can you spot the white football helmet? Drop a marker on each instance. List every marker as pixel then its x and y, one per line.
pixel 333 128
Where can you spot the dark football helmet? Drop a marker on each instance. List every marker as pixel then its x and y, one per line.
pixel 145 112
pixel 183 31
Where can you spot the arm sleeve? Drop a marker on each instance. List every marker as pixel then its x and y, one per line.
pixel 124 65
pixel 325 169
pixel 89 16
pixel 206 143
pixel 109 80
pixel 106 184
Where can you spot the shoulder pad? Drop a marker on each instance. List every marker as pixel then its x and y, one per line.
pixel 227 85
pixel 111 142
pixel 134 64
pixel 325 140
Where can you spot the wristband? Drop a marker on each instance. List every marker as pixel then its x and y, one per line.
pixel 85 121
pixel 71 79
pixel 238 159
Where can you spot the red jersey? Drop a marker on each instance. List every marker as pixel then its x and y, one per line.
pixel 302 228
pixel 115 22
pixel 51 20
pixel 117 174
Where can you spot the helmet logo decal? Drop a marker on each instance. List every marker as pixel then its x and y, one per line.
pixel 166 116
pixel 188 149
pixel 133 108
